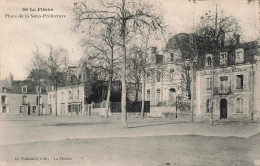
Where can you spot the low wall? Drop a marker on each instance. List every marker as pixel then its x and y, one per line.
pixel 158 111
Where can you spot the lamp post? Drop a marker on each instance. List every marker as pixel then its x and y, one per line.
pixel 177 100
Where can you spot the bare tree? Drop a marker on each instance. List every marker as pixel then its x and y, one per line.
pixel 56 66
pixel 102 52
pixel 128 16
pixel 140 62
pixel 38 73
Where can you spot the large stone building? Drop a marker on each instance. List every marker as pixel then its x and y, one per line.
pixel 21 97
pixel 236 89
pixel 70 100
pixel 163 82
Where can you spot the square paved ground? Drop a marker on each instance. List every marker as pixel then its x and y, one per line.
pixel 99 141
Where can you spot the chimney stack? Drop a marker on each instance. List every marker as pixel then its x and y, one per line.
pixel 237 38
pixel 10 80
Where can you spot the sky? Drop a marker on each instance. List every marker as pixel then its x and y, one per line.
pixel 20 36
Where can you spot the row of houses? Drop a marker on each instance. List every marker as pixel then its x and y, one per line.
pixel 234 70
pixel 23 97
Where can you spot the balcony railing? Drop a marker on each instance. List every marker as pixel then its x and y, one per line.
pixel 222 91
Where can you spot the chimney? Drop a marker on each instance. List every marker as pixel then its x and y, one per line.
pixel 222 38
pixel 10 80
pixel 237 38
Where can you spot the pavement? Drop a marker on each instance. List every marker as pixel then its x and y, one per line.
pixel 25 129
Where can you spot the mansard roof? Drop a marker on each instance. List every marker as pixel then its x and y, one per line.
pixel 250 53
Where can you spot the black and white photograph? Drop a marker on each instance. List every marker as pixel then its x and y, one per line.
pixel 130 82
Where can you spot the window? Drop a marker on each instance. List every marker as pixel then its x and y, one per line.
pixel 158 95
pixel 171 57
pixel 171 73
pixel 159 59
pixel 223 58
pixel 70 95
pixel 239 81
pixel 223 83
pixel 3 89
pixel 209 83
pixel 148 95
pixel 208 104
pixel 239 105
pixel 240 55
pixel 148 77
pixel 50 96
pixel 158 76
pixel 24 89
pixel 3 100
pixel 208 60
pixel 53 96
pixel 34 109
pixel 4 109
pixel 24 99
pixel 21 109
pixel 69 108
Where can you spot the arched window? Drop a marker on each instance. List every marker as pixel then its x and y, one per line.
pixel 239 105
pixel 148 95
pixel 208 103
pixel 209 61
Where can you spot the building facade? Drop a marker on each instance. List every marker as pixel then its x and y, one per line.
pixel 164 78
pixel 69 100
pixel 235 73
pixel 21 97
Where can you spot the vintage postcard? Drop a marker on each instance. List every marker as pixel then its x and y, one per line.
pixel 129 82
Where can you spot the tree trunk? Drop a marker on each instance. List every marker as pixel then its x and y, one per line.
pixel 123 97
pixel 192 97
pixel 212 93
pixel 108 96
pixel 143 97
pixel 56 99
pixel 39 99
pixel 136 91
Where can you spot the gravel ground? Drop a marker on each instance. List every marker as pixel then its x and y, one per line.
pixel 100 141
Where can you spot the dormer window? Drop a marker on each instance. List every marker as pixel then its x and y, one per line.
pixel 24 89
pixel 208 60
pixel 223 58
pixel 240 55
pixel 171 57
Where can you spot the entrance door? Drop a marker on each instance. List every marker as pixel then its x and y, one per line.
pixel 29 110
pixel 223 109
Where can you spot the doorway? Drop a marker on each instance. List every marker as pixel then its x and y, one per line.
pixel 223 109
pixel 29 110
